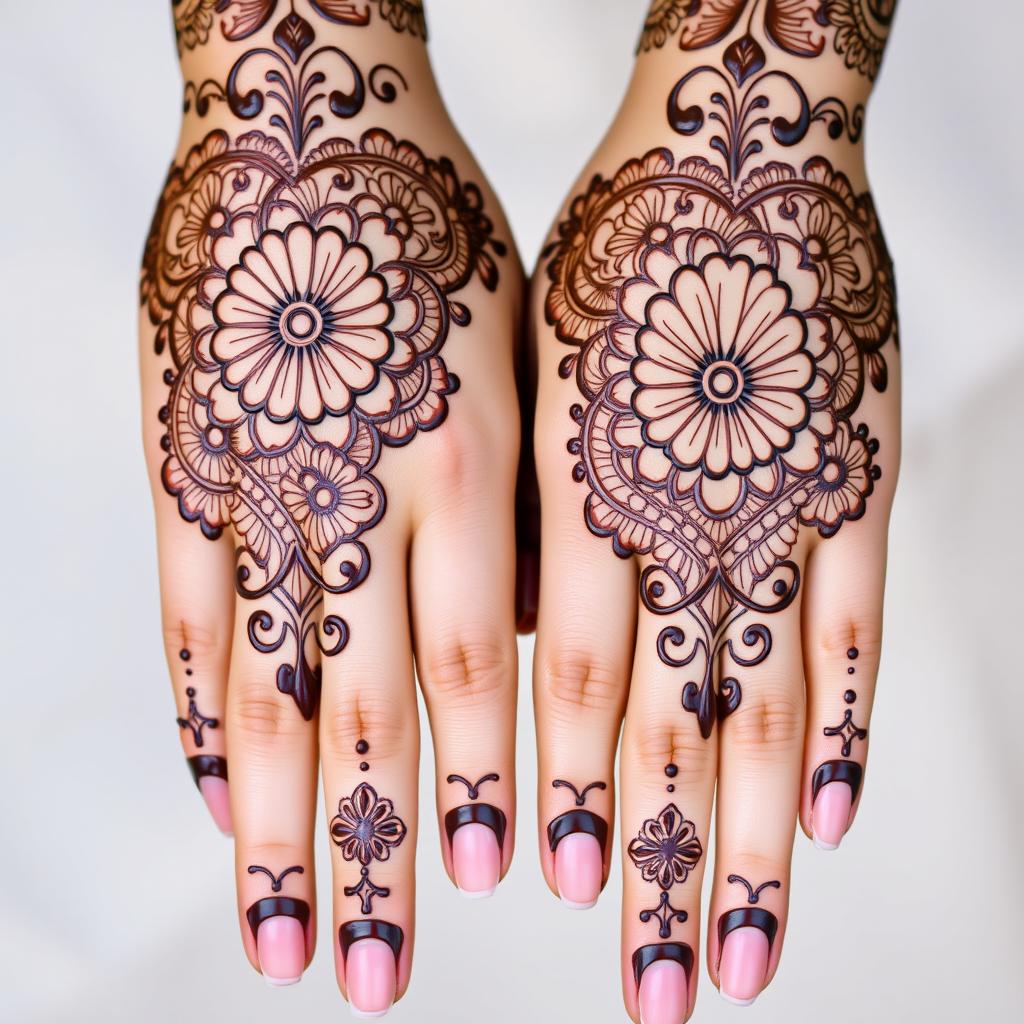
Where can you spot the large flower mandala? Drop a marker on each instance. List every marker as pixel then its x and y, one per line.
pixel 302 325
pixel 302 306
pixel 666 849
pixel 366 827
pixel 723 371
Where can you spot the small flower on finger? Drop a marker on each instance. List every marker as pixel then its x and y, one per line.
pixel 666 849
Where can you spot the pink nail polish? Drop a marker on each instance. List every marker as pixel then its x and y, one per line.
pixel 744 965
pixel 579 869
pixel 281 950
pixel 476 859
pixel 663 993
pixel 370 977
pixel 215 793
pixel 830 816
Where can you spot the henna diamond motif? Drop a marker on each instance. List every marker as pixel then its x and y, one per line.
pixel 848 730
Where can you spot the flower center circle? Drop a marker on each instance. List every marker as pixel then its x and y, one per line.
pixel 301 323
pixel 323 496
pixel 833 473
pixel 216 220
pixel 399 220
pixel 658 234
pixel 815 248
pixel 215 437
pixel 723 382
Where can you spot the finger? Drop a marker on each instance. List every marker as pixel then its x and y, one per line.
pixel 667 773
pixel 197 609
pixel 369 735
pixel 463 612
pixel 759 760
pixel 843 633
pixel 273 780
pixel 585 634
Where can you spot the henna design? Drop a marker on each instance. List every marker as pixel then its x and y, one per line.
pixel 847 730
pixel 849 772
pixel 196 720
pixel 302 290
pixel 480 814
pixel 679 952
pixel 581 796
pixel 276 906
pixel 366 827
pixel 192 22
pixel 665 914
pixel 207 764
pixel 571 822
pixel 362 747
pixel 753 895
pixel 353 931
pixel 185 654
pixel 276 881
pixel 797 27
pixel 707 441
pixel 366 891
pixel 666 849
pixel 473 788
pixel 748 917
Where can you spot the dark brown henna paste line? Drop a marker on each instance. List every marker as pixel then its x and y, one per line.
pixel 276 881
pixel 480 814
pixel 207 764
pixel 847 730
pixel 196 720
pixel 577 821
pixel 473 788
pixel 666 849
pixel 366 891
pixel 353 931
pixel 753 895
pixel 643 957
pixel 849 772
pixel 666 915
pixel 276 906
pixel 748 917
pixel 580 795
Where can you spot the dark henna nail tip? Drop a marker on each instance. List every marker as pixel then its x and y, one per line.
pixel 277 906
pixel 353 931
pixel 207 764
pixel 679 952
pixel 480 814
pixel 577 821
pixel 849 772
pixel 748 917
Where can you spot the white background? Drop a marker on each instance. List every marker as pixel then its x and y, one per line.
pixel 116 893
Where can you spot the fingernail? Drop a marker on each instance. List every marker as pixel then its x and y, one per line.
pixel 476 858
pixel 281 950
pixel 663 993
pixel 215 793
pixel 370 977
pixel 830 815
pixel 579 868
pixel 744 965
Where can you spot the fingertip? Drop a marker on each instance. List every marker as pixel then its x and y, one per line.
pixel 218 802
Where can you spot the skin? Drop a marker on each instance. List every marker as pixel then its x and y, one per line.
pixel 597 669
pixel 438 604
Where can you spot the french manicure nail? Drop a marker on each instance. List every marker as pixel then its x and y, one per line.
pixel 281 950
pixel 579 869
pixel 476 858
pixel 830 815
pixel 215 793
pixel 663 993
pixel 744 965
pixel 370 977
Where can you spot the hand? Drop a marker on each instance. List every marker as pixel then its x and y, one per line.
pixel 718 408
pixel 329 309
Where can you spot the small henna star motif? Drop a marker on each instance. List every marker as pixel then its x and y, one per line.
pixel 665 914
pixel 366 890
pixel 848 730
pixel 196 720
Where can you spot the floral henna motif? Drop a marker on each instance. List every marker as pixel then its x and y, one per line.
pixel 366 827
pixel 302 295
pixel 797 27
pixel 666 849
pixel 724 331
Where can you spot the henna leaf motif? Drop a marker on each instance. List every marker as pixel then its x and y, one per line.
pixel 743 58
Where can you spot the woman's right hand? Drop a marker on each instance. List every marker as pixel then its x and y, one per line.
pixel 329 308
pixel 717 442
